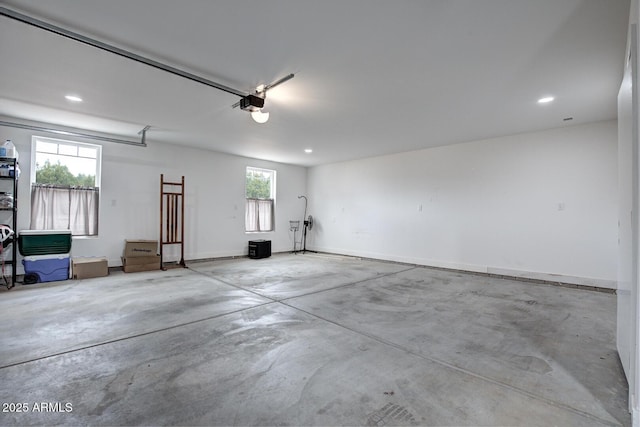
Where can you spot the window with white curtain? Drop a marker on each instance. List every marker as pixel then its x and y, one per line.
pixel 65 186
pixel 260 200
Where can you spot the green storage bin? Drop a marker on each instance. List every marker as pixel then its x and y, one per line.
pixel 44 242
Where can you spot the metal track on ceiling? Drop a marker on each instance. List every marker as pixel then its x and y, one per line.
pixel 116 50
pixel 142 143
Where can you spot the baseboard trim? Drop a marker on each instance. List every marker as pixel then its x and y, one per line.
pixel 598 285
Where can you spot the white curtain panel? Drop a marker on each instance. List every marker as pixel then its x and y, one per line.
pixel 83 211
pixel 259 215
pixel 60 208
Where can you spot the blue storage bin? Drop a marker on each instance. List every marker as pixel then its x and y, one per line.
pixel 48 268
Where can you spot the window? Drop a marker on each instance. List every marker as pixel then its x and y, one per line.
pixel 260 194
pixel 65 186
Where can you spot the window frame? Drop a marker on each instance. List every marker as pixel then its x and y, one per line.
pixel 272 192
pixel 98 171
pixel 272 189
pixel 34 151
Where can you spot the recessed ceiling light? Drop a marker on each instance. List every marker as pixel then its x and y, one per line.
pixel 308 150
pixel 73 98
pixel 545 100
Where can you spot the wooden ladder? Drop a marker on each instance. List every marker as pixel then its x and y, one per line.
pixel 171 218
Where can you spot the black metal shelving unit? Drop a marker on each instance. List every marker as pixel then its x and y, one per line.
pixel 10 182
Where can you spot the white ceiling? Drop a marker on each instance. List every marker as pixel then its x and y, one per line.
pixel 372 77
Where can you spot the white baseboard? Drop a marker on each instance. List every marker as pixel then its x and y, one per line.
pixel 495 271
pixel 551 277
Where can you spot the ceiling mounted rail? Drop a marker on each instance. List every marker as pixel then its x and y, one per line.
pixel 143 132
pixel 264 89
pixel 77 134
pixel 116 50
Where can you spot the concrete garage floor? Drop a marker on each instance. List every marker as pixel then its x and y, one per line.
pixel 309 340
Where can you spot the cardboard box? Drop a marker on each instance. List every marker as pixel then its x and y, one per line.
pixel 86 268
pixel 140 248
pixel 140 263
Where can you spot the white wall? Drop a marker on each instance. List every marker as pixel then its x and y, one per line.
pixel 130 198
pixel 628 327
pixel 627 193
pixel 541 205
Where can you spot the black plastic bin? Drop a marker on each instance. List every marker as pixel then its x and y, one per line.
pixel 259 249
